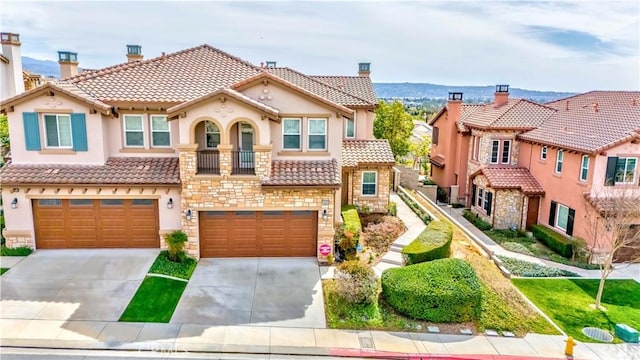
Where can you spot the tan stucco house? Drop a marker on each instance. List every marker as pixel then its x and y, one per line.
pixel 247 160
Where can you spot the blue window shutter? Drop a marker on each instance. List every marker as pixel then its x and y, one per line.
pixel 79 132
pixel 31 131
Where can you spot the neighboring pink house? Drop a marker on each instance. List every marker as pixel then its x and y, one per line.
pixel 247 160
pixel 516 163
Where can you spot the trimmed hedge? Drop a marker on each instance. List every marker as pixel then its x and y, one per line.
pixel 433 243
pixel 351 220
pixel 416 209
pixel 476 220
pixel 553 240
pixel 444 291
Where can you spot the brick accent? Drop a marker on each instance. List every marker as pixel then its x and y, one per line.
pixel 14 239
pixel 380 202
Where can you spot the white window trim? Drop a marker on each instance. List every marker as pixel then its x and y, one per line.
pixel 626 164
pixel 485 202
pixel 159 131
pixel 558 206
pixel 508 154
pixel 498 153
pixel 559 160
pixel 125 131
pixel 543 153
pixel 299 134
pixel 480 198
pixel 375 183
pixel 309 134
pixel 583 167
pixel 346 121
pixel 46 140
pixel 206 143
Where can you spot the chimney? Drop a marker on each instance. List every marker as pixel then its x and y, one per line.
pixel 14 84
pixel 364 69
pixel 501 95
pixel 134 53
pixel 270 64
pixel 454 106
pixel 68 64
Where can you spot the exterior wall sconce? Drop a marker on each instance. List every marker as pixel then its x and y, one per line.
pixel 188 214
pixel 170 203
pixel 325 215
pixel 14 203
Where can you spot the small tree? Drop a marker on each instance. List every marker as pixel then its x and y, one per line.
pixel 175 245
pixel 394 124
pixel 613 216
pixel 420 150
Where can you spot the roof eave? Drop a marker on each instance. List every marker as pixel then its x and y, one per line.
pixel 8 104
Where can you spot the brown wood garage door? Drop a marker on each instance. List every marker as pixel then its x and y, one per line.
pixel 258 233
pixel 93 223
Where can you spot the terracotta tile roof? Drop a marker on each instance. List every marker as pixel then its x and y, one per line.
pixel 363 152
pixel 117 170
pixel 515 114
pixel 304 173
pixel 465 111
pixel 64 87
pixel 320 88
pixel 172 78
pixel 628 203
pixel 577 125
pixel 358 86
pixel 228 92
pixel 511 178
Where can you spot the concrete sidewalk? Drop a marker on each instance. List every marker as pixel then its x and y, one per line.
pixel 89 335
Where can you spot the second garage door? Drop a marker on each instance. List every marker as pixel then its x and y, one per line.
pixel 258 233
pixel 93 223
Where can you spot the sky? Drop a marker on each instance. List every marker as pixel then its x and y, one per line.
pixel 575 46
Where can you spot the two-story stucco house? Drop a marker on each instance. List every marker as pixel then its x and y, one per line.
pixel 247 160
pixel 516 163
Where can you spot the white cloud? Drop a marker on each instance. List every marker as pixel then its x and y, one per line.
pixel 458 43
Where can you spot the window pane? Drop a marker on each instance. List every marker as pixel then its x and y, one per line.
pixel 51 127
pixel 211 127
pixel 134 139
pixel 161 139
pixel 291 126
pixel 139 202
pixel 631 170
pixel 64 126
pixel 81 202
pixel 506 146
pixel 159 123
pixel 563 217
pixel 368 189
pixel 301 213
pixel 369 177
pixel 317 126
pixel 291 142
pixel 49 202
pixel 316 141
pixel 213 140
pixel 351 128
pixel 133 122
pixel 111 202
pixel 495 146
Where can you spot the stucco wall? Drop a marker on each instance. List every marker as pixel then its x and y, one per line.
pixel 114 137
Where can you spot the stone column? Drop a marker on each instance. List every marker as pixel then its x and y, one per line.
pixel 188 170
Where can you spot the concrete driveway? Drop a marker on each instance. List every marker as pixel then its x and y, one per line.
pixel 74 284
pixel 283 292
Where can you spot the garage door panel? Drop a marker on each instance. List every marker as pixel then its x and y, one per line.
pixel 217 233
pixel 82 219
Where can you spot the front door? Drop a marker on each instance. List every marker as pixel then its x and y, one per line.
pixel 532 211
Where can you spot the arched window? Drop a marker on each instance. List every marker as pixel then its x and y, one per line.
pixel 212 135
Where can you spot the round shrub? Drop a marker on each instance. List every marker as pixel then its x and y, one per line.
pixel 356 282
pixel 433 243
pixel 445 290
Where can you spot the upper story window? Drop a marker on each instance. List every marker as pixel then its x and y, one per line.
pixel 291 133
pixel 58 131
pixel 475 148
pixel 317 134
pixel 495 148
pixel 133 131
pixel 584 168
pixel 349 128
pixel 500 152
pixel 506 151
pixel 559 160
pixel 212 135
pixel 543 153
pixel 369 183
pixel 434 135
pixel 625 170
pixel 160 131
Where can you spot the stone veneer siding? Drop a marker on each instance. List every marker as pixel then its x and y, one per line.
pixel 14 239
pixel 226 192
pixel 507 208
pixel 380 202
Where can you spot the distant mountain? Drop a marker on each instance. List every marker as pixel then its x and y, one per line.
pixel 383 90
pixel 477 93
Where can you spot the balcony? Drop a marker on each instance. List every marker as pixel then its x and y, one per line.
pixel 208 162
pixel 243 163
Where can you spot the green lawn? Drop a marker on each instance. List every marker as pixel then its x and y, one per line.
pixel 164 266
pixel 3 270
pixel 155 300
pixel 567 302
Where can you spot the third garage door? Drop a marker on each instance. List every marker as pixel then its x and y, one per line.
pixel 258 233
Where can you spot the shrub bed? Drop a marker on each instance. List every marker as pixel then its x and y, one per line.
pixel 416 209
pixel 553 240
pixel 356 282
pixel 348 235
pixel 446 290
pixel 476 220
pixel 379 236
pixel 528 269
pixel 517 247
pixel 433 243
pixel 17 251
